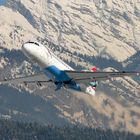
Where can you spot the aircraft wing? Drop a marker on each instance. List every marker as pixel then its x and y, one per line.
pixel 27 79
pixel 86 77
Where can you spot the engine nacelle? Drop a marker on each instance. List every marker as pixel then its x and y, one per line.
pixel 90 90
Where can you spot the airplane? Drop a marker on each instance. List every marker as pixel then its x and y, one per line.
pixel 59 73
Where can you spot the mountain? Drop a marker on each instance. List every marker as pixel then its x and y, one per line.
pixel 83 33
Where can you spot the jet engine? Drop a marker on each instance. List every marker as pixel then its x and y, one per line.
pixel 91 89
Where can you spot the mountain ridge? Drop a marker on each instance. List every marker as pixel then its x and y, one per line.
pixel 82 33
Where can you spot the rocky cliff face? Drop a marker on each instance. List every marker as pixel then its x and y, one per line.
pixel 95 28
pixel 84 33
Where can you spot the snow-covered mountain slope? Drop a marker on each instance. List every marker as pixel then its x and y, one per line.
pixel 91 27
pixel 84 33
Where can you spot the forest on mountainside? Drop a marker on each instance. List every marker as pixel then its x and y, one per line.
pixel 11 130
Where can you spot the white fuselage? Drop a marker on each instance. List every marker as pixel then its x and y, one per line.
pixel 43 56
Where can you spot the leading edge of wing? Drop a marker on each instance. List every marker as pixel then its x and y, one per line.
pixel 40 77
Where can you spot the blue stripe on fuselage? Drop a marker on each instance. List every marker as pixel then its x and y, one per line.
pixel 59 75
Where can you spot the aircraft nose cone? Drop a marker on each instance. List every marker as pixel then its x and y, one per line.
pixel 23 47
pixel 26 49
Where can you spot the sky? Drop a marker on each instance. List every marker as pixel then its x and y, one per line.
pixel 2 2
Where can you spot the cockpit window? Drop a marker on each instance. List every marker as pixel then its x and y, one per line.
pixel 34 43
